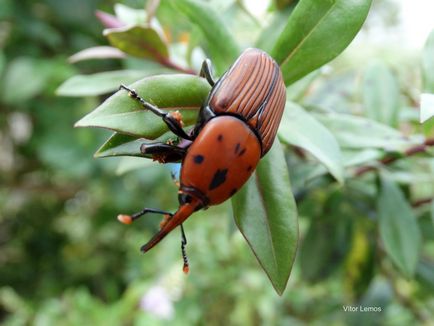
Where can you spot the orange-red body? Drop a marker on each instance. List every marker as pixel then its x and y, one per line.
pixel 236 127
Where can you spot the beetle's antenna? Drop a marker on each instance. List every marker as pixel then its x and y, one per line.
pixel 186 266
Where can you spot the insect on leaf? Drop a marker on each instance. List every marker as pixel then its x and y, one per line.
pixel 123 114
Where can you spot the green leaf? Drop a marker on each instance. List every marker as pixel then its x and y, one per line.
pixel 219 41
pixel 398 227
pixel 123 114
pixel 97 52
pixel 124 145
pixel 270 34
pixel 139 41
pixel 266 214
pixel 101 83
pixel 381 94
pixel 301 129
pixel 316 32
pixel 357 132
pixel 428 64
pixel 120 145
pixel 23 79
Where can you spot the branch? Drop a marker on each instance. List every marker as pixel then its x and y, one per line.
pixel 391 158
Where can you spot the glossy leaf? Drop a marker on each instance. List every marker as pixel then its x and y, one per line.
pixel 125 115
pixel 301 129
pixel 119 145
pixel 428 64
pixel 357 132
pixel 316 32
pixel 381 94
pixel 219 41
pixel 266 214
pixel 97 52
pixel 398 227
pixel 139 41
pixel 100 83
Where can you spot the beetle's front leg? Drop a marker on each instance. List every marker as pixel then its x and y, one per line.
pixel 162 152
pixel 205 72
pixel 173 120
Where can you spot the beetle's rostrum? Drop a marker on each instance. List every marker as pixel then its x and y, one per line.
pixel 236 126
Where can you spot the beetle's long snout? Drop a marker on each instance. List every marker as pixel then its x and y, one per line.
pixel 184 211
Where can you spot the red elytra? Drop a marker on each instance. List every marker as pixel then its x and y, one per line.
pixel 236 127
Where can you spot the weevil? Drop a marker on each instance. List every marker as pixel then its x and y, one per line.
pixel 236 126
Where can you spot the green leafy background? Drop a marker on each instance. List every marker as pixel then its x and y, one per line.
pixel 338 213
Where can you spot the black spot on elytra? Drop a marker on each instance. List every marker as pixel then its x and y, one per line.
pixel 220 137
pixel 198 159
pixel 237 148
pixel 242 152
pixel 249 168
pixel 234 191
pixel 218 178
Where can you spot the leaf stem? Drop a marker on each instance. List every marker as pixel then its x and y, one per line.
pixel 391 158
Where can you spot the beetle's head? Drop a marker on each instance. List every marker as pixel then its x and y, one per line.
pixel 189 195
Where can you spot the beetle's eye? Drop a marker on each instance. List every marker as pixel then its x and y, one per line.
pixel 184 198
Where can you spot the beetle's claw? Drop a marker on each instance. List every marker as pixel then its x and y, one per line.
pixel 125 219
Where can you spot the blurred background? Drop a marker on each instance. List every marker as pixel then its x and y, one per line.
pixel 65 260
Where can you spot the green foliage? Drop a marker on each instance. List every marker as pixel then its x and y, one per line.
pixel 301 129
pixel 138 41
pixel 398 227
pixel 381 94
pixel 360 237
pixel 123 114
pixel 219 41
pixel 316 32
pixel 266 215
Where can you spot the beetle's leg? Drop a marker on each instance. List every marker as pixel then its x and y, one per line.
pixel 162 148
pixel 186 267
pixel 171 119
pixel 163 153
pixel 205 71
pixel 128 219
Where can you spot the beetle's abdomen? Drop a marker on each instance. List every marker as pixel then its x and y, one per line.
pixel 252 88
pixel 220 160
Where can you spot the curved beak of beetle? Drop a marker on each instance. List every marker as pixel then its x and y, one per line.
pixel 184 211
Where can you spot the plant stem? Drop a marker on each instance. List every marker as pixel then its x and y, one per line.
pixel 391 158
